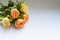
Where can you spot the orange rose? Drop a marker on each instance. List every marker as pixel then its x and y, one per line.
pixel 14 13
pixel 19 23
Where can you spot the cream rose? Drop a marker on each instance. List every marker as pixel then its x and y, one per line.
pixel 24 8
pixel 6 22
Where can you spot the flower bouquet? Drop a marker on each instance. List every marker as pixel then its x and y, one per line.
pixel 16 12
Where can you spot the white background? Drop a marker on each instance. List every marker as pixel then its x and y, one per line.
pixel 43 23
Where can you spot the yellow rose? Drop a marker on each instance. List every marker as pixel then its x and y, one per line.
pixel 6 22
pixel 19 23
pixel 14 13
pixel 24 8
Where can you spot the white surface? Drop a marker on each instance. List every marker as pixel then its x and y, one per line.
pixel 43 24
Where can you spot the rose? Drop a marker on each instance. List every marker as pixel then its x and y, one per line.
pixel 19 23
pixel 24 8
pixel 6 22
pixel 25 16
pixel 14 13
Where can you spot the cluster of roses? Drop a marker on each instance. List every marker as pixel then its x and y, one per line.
pixel 19 17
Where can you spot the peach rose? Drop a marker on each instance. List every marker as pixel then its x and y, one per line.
pixel 14 13
pixel 25 16
pixel 19 23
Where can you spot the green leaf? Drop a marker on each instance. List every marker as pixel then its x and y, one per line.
pixel 7 11
pixel 18 6
pixel 10 3
pixel 11 19
pixel 1 18
pixel 2 14
pixel 3 8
